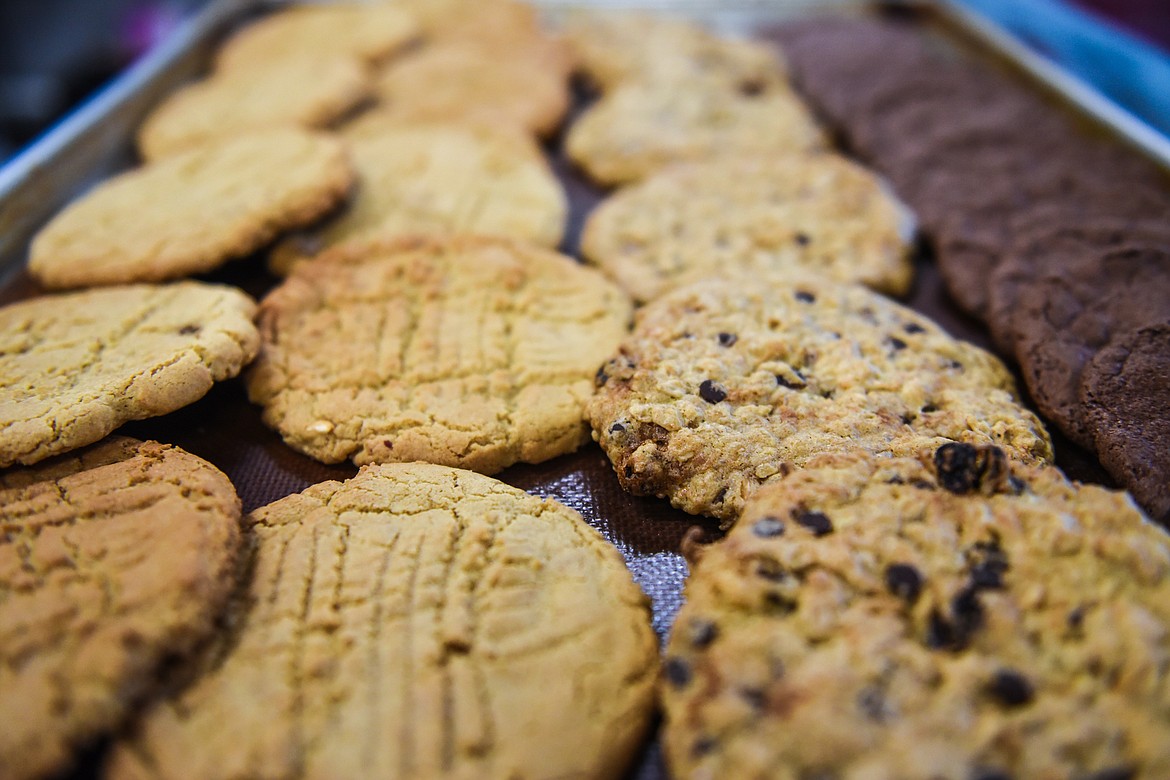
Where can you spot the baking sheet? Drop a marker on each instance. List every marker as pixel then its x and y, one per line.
pixel 226 430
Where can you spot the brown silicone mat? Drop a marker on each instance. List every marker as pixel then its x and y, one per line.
pixel 226 430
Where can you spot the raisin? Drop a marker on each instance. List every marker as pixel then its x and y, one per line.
pixel 600 378
pixel 711 392
pixel 677 671
pixel 964 468
pixel 802 239
pixel 1010 688
pixel 913 327
pixel 727 339
pixel 897 343
pixel 817 522
pixel 904 581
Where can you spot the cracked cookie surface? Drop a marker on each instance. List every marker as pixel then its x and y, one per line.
pixel 76 366
pixel 725 384
pixel 428 178
pixel 469 352
pixel 951 617
pixel 819 212
pixel 192 212
pixel 111 561
pixel 416 621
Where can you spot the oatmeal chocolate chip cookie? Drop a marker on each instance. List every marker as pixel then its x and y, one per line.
pixel 191 213
pixel 637 128
pixel 956 617
pixel 438 179
pixel 416 621
pixel 617 47
pixel 468 351
pixel 818 212
pixel 74 367
pixel 305 94
pixel 452 81
pixel 366 32
pixel 1125 398
pixel 112 560
pixel 729 383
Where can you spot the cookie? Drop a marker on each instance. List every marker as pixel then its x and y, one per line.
pixel 728 383
pixel 78 365
pixel 1125 401
pixel 959 617
pixel 818 212
pixel 468 352
pixel 416 621
pixel 113 560
pixel 192 212
pixel 438 179
pixel 309 94
pixel 637 129
pixel 368 33
pixel 1064 295
pixel 617 47
pixel 452 81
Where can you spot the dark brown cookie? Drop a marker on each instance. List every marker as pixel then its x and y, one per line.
pixel 1125 392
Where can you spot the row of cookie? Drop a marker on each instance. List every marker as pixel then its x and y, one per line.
pixel 1053 235
pixel 414 621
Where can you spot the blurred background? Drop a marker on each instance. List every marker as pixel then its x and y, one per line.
pixel 55 53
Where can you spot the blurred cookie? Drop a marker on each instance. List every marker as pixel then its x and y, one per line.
pixel 726 384
pixel 78 365
pixel 309 93
pixel 959 617
pixel 467 351
pixel 1125 397
pixel 112 561
pixel 416 621
pixel 816 212
pixel 191 213
pixel 368 33
pixel 438 179
pixel 637 129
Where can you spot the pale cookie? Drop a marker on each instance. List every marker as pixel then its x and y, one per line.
pixel 818 212
pixel 112 561
pixel 367 32
pixel 453 81
pixel 617 47
pixel 438 179
pixel 890 619
pixel 639 128
pixel 469 352
pixel 299 93
pixel 416 621
pixel 729 383
pixel 191 213
pixel 74 367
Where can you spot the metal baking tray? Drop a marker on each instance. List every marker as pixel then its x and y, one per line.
pixel 97 141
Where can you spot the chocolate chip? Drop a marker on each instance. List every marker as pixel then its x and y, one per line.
pixel 897 343
pixel 189 330
pixel 600 378
pixel 805 297
pixel 754 697
pixel 677 671
pixel 1010 688
pixel 722 494
pixel 922 484
pixel 895 480
pixel 904 581
pixel 928 409
pixel 388 444
pixel 817 522
pixel 768 527
pixel 913 327
pixel 751 87
pixel 629 471
pixel 872 703
pixel 1113 773
pixel 803 240
pixel 954 633
pixel 780 604
pixel 711 392
pixel 983 773
pixel 770 570
pixel 959 467
pixel 1075 619
pixel 797 384
pixel 703 632
pixel 727 339
pixel 987 576
pixel 617 428
pixel 703 746
pixel 939 633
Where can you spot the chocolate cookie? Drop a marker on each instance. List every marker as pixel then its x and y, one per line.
pixel 955 616
pixel 1125 396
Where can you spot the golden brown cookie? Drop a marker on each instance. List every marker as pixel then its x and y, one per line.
pixel 818 212
pixel 638 128
pixel 74 367
pixel 112 561
pixel 960 617
pixel 727 384
pixel 438 179
pixel 308 93
pixel 369 33
pixel 194 211
pixel 469 352
pixel 416 621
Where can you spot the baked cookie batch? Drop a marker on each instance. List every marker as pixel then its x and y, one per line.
pixel 907 587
